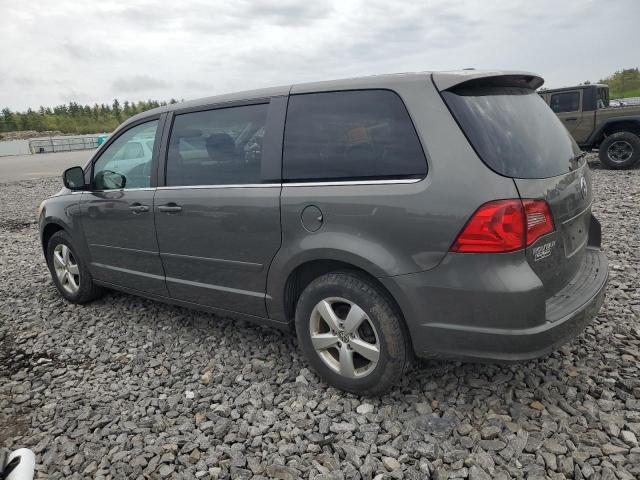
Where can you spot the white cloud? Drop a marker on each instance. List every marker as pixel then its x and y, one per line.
pixel 94 51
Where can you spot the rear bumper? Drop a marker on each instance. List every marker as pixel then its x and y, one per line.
pixel 497 314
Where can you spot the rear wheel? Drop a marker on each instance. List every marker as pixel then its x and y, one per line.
pixel 68 271
pixel 620 150
pixel 351 333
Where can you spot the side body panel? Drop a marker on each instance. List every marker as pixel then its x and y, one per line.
pixel 123 246
pixel 217 250
pixel 389 228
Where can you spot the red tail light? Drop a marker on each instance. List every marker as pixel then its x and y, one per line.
pixel 504 226
pixel 539 219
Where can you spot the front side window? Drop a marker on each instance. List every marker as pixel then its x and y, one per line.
pixel 348 135
pixel 565 102
pixel 129 156
pixel 217 147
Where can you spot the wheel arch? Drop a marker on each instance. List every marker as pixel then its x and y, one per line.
pixel 304 272
pixel 47 232
pixel 614 125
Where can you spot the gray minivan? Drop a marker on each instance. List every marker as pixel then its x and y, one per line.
pixel 424 214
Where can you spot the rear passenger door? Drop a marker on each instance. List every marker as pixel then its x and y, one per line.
pixel 217 214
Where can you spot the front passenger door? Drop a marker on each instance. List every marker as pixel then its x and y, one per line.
pixel 118 221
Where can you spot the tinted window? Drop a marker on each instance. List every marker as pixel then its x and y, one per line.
pixel 129 155
pixel 565 102
pixel 350 135
pixel 217 147
pixel 514 131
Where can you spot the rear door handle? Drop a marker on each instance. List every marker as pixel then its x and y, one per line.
pixel 170 208
pixel 138 208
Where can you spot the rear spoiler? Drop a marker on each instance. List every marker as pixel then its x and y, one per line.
pixel 485 78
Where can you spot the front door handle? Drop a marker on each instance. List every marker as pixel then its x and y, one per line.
pixel 571 119
pixel 170 208
pixel 138 208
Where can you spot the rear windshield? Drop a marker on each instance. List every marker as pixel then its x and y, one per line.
pixel 514 131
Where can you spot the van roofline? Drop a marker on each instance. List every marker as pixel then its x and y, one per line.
pixel 443 81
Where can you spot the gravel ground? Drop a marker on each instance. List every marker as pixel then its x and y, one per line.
pixel 130 388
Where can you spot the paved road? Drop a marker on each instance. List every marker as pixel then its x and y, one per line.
pixel 24 167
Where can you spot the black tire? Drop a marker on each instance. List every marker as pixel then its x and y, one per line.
pixel 391 337
pixel 87 290
pixel 625 146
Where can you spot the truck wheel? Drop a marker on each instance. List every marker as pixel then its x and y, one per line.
pixel 620 150
pixel 352 333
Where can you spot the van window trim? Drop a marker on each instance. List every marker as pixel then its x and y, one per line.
pixel 153 181
pixel 360 180
pixel 170 122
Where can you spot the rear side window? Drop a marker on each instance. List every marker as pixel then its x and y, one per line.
pixel 349 135
pixel 217 147
pixel 513 131
pixel 565 102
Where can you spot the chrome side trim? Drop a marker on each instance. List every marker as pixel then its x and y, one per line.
pixel 246 185
pixel 256 267
pixel 141 189
pixel 353 182
pixel 126 270
pixel 123 249
pixel 215 287
pixel 399 181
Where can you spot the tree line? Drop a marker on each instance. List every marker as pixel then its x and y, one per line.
pixel 623 83
pixel 75 118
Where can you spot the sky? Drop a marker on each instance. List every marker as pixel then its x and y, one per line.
pixel 58 51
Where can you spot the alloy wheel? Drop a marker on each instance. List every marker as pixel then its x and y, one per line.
pixel 344 337
pixel 66 268
pixel 620 151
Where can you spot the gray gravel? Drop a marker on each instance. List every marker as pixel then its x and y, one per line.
pixel 130 388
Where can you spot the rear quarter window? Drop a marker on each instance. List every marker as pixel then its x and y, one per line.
pixel 514 131
pixel 364 134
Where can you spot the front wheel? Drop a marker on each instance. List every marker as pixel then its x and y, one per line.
pixel 68 271
pixel 352 334
pixel 620 150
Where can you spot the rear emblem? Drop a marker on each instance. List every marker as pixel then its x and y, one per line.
pixel 583 187
pixel 543 251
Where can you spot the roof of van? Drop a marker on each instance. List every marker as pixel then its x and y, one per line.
pixel 442 80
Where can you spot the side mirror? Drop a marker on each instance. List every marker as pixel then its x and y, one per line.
pixel 73 178
pixel 108 180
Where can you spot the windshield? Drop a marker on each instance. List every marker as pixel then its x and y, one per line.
pixel 513 131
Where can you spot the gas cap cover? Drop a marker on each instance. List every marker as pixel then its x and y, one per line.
pixel 311 218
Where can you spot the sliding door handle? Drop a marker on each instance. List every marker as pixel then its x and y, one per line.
pixel 170 208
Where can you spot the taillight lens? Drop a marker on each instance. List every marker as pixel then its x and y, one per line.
pixel 504 226
pixel 539 219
